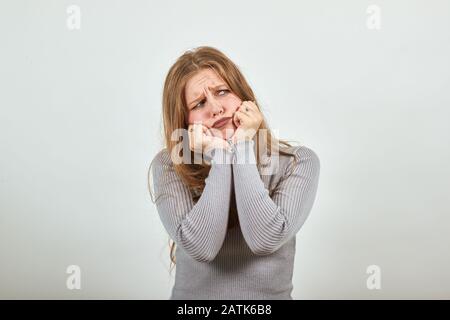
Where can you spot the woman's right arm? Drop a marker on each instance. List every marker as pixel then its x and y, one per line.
pixel 198 229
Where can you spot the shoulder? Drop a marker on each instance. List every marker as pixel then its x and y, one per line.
pixel 301 152
pixel 161 164
pixel 304 152
pixel 162 158
pixel 304 157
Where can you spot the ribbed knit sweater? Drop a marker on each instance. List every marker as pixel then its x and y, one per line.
pixel 238 240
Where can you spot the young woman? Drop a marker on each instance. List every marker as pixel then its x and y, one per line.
pixel 233 226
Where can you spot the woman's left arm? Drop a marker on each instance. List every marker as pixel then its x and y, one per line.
pixel 268 223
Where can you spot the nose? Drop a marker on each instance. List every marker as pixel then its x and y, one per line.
pixel 216 108
pixel 215 105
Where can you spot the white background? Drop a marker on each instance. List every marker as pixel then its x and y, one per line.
pixel 80 121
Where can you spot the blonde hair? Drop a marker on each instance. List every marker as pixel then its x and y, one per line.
pixel 175 112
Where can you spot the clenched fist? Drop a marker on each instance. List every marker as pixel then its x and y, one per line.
pixel 201 139
pixel 247 119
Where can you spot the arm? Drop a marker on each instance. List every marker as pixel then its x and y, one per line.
pixel 199 229
pixel 268 223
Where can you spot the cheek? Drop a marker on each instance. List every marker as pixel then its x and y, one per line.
pixel 195 117
pixel 232 103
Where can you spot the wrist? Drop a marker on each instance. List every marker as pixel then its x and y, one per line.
pixel 218 155
pixel 245 151
pixel 216 145
pixel 218 151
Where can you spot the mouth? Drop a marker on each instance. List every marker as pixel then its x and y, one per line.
pixel 220 123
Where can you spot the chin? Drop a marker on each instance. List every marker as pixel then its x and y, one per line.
pixel 225 133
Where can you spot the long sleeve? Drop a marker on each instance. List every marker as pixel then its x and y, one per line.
pixel 268 223
pixel 198 229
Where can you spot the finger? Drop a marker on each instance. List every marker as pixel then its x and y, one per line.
pixel 209 131
pixel 215 132
pixel 253 105
pixel 245 109
pixel 241 118
pixel 247 106
pixel 199 130
pixel 204 128
pixel 193 128
pixel 237 118
pixel 195 132
pixel 191 137
pixel 200 133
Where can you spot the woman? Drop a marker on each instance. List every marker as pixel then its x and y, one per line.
pixel 234 227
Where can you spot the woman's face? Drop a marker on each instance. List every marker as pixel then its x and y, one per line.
pixel 209 99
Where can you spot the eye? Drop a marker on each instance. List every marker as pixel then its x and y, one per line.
pixel 198 104
pixel 223 90
pixel 201 103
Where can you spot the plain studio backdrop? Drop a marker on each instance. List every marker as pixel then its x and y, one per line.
pixel 365 84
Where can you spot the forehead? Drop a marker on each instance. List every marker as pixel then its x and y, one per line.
pixel 198 82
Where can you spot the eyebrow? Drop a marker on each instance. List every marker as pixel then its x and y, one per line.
pixel 201 96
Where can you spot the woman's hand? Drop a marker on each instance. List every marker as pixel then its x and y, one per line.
pixel 202 140
pixel 247 118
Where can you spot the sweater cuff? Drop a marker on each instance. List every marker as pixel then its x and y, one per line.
pixel 245 152
pixel 218 155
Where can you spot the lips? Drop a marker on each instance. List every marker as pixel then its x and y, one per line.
pixel 221 122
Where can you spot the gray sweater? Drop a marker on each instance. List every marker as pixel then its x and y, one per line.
pixel 237 241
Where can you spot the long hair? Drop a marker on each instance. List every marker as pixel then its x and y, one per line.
pixel 175 111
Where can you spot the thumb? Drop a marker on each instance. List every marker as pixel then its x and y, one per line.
pixel 236 119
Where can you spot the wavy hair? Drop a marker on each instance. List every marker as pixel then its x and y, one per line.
pixel 175 112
